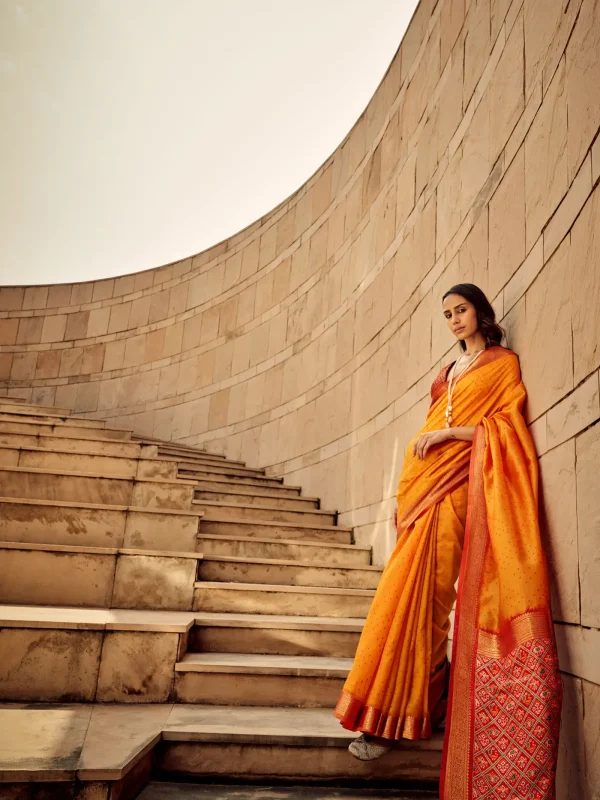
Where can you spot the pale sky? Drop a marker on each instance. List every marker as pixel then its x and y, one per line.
pixel 138 132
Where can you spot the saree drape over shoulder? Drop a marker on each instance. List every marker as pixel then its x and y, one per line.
pixel 471 508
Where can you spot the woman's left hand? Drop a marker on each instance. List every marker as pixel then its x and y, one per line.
pixel 428 440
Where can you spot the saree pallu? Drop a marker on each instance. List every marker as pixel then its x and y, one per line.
pixel 501 736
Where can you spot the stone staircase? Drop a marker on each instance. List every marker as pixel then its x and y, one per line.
pixel 168 612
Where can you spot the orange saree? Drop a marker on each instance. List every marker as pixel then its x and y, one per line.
pixel 473 508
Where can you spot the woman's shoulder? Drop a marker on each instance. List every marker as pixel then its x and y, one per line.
pixel 492 353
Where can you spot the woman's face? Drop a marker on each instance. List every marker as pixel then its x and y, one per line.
pixel 461 316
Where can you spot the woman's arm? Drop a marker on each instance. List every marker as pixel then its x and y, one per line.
pixel 428 440
pixel 463 434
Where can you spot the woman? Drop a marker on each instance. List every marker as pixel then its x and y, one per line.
pixel 469 478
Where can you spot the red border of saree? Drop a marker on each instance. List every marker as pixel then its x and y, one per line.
pixel 505 692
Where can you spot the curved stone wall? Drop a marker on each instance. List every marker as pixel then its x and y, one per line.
pixel 306 343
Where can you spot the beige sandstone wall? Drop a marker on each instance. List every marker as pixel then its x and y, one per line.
pixel 307 343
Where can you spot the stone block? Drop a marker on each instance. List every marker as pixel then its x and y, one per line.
pixel 558 520
pixel 54 328
pixel 585 288
pixel 210 325
pixel 173 340
pixel 48 364
pixel 40 577
pixel 573 414
pixel 178 299
pixel 98 322
pixel 228 316
pixel 154 582
pixel 22 366
pixel 405 190
pixel 8 331
pixel 155 531
pixel 451 98
pixel 373 308
pixel 507 225
pixel 159 306
pixel 477 45
pixel 548 371
pixel 476 160
pixel 452 18
pixel 139 313
pixel 137 667
pixel 114 355
pixel 583 83
pixel 49 665
pixel 570 775
pixel 546 173
pixel 103 290
pixel 588 524
pixel 448 209
pixel 507 100
pixel 77 325
pixel 591 739
pixel 119 318
pixel 473 255
pixel 35 297
pixel 135 348
pixel 30 330
pixel 219 405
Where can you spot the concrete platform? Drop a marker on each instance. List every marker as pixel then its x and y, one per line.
pixel 104 742
pixel 190 791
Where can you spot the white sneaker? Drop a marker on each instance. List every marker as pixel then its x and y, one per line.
pixel 367 751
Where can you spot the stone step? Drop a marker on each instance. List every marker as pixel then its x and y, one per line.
pixel 210 474
pixel 221 469
pixel 264 529
pixel 343 555
pixel 185 450
pixel 61 459
pixel 92 525
pixel 50 419
pixel 96 577
pixel 200 459
pixel 60 429
pixel 238 511
pixel 84 445
pixel 34 410
pixel 47 484
pixel 115 746
pixel 232 569
pixel 54 654
pixel 271 634
pixel 257 598
pixel 243 679
pixel 282 744
pixel 161 790
pixel 234 488
pixel 264 499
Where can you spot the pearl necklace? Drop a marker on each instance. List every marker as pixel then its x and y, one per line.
pixel 452 385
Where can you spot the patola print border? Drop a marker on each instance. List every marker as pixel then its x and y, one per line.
pixel 529 728
pixel 457 758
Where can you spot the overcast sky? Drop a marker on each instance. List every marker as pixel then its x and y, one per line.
pixel 138 132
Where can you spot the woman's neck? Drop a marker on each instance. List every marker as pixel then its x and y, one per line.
pixel 475 343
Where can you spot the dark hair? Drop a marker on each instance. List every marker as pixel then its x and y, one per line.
pixel 486 316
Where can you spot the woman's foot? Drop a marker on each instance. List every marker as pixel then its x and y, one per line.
pixel 368 748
